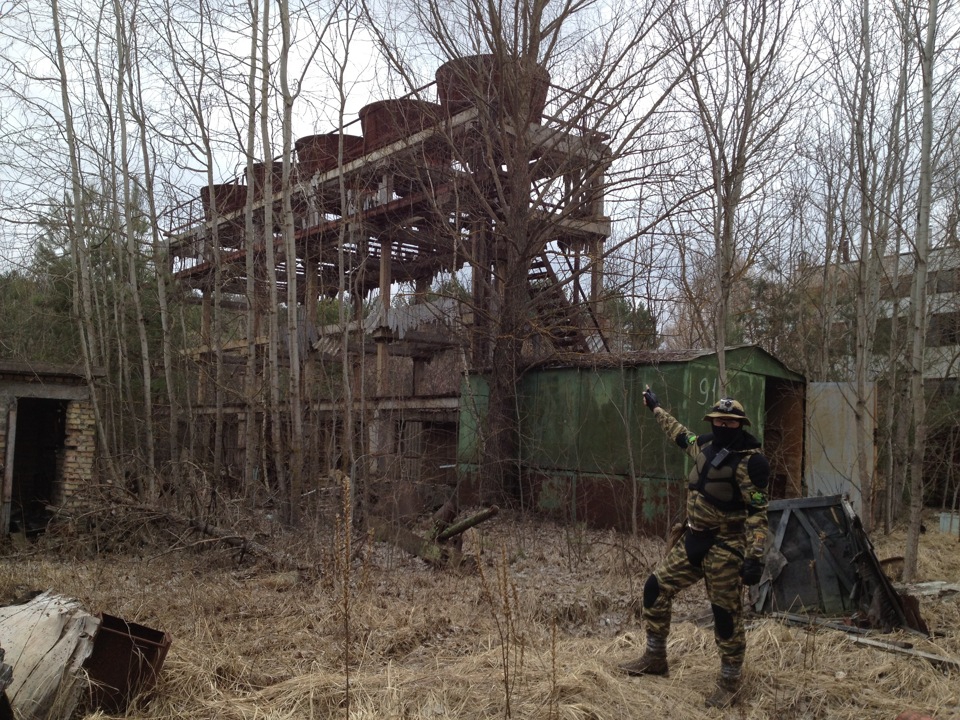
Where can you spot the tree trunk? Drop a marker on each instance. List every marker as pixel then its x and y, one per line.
pixel 294 385
pixel 866 302
pixel 267 188
pixel 252 394
pixel 918 301
pixel 160 265
pixel 130 220
pixel 83 286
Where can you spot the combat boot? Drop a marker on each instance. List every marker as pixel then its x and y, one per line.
pixel 652 662
pixel 727 691
pixel 646 664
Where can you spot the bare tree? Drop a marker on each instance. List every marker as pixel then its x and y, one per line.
pixel 149 188
pixel 83 286
pixel 743 87
pixel 564 115
pixel 918 294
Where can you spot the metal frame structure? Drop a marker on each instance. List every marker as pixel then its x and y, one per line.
pixel 405 204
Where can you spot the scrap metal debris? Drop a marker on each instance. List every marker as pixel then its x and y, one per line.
pixel 908 649
pixel 860 638
pixel 822 563
pixel 821 571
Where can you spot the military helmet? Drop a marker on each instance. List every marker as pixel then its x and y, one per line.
pixel 728 408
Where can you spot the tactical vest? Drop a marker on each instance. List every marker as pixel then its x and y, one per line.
pixel 718 485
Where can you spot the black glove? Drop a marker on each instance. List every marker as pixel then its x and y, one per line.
pixel 650 399
pixel 751 571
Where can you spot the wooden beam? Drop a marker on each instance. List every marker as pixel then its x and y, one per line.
pixel 938 660
pixel 432 552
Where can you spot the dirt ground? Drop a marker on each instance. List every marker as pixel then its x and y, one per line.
pixel 535 630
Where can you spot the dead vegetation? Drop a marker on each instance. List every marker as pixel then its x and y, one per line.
pixel 535 631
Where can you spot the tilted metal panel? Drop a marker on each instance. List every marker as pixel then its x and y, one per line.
pixel 821 562
pixel 812 540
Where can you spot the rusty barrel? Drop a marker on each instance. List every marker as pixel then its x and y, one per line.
pixel 320 153
pixel 227 197
pixel 385 121
pixel 479 79
pixel 264 172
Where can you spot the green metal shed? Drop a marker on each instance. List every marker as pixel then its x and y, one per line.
pixel 591 452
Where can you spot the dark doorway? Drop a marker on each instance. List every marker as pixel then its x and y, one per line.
pixel 783 437
pixel 38 451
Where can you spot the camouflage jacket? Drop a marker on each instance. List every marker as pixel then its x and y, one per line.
pixel 724 489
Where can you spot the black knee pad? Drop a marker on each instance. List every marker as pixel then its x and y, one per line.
pixel 723 621
pixel 651 591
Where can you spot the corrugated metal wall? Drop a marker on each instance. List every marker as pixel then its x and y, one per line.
pixel 585 432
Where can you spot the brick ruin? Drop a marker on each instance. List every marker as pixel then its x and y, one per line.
pixel 48 443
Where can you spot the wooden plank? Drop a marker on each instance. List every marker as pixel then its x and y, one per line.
pixel 810 620
pixel 938 660
pixel 934 587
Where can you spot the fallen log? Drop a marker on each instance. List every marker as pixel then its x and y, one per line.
pixel 408 541
pixel 467 523
pixel 62 657
pixel 434 550
pixel 442 518
pixel 47 641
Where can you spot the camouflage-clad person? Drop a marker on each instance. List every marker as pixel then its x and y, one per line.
pixel 723 541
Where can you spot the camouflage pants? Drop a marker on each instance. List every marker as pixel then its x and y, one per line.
pixel 720 570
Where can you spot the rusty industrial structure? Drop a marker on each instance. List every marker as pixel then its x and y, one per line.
pixel 410 202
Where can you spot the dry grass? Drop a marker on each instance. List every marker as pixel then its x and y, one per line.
pixel 535 633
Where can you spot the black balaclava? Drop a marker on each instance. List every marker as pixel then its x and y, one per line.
pixel 726 436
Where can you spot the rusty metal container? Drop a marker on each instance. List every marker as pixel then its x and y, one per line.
pixel 319 153
pixel 385 121
pixel 477 79
pixel 125 662
pixel 264 171
pixel 228 197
